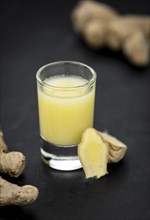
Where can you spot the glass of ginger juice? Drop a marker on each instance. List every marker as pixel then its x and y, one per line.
pixel 66 96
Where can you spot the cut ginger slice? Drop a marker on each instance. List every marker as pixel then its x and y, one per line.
pixel 117 149
pixel 93 154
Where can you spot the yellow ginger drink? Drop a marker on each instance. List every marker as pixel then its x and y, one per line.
pixel 65 113
pixel 66 94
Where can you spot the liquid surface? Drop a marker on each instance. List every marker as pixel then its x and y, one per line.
pixel 64 81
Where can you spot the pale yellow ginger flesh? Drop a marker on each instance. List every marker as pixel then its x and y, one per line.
pixel 12 194
pixel 93 154
pixel 117 149
pixel 11 163
pixel 96 150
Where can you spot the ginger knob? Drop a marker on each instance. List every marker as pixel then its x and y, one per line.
pixel 12 194
pixel 117 149
pixel 11 163
pixel 93 154
pixel 100 25
pixel 96 150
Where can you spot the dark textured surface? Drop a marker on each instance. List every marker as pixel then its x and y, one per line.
pixel 34 33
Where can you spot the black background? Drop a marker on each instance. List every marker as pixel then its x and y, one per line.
pixel 34 33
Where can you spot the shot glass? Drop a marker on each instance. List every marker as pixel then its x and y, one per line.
pixel 66 97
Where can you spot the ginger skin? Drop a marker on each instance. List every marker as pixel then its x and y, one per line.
pixel 13 164
pixel 12 194
pixel 102 26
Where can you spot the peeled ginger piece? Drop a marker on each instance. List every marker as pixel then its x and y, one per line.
pixel 93 154
pixel 117 149
pixel 96 149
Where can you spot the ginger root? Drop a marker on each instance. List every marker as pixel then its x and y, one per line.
pixel 13 164
pixel 100 25
pixel 12 194
pixel 96 150
pixel 93 154
pixel 117 149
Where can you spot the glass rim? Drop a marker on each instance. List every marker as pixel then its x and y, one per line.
pixel 90 82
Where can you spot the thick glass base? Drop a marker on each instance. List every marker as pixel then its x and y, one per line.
pixel 60 157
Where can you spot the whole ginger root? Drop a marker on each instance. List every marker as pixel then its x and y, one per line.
pixel 100 25
pixel 13 164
